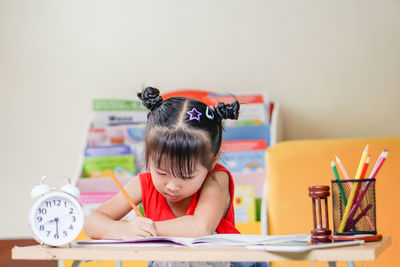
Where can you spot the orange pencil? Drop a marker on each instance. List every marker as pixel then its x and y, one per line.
pixel 365 167
pixel 125 193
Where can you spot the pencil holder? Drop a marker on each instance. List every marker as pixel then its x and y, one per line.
pixel 354 207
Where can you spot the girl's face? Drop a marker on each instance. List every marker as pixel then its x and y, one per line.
pixel 175 189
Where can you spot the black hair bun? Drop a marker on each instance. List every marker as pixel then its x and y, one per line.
pixel 228 111
pixel 150 97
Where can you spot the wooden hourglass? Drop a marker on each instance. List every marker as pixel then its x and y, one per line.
pixel 321 232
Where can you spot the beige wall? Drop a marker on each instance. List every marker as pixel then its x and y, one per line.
pixel 333 65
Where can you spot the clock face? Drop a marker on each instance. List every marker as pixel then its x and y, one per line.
pixel 56 219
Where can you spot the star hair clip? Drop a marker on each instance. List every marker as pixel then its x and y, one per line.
pixel 194 114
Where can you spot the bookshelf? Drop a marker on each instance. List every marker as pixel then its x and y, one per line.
pixel 121 123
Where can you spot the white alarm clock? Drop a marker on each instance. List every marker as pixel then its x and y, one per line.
pixel 56 218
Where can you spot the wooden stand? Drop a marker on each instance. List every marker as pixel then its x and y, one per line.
pixel 321 232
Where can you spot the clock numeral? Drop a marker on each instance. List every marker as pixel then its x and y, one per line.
pixel 42 211
pixel 39 218
pixel 71 227
pixel 71 211
pixel 41 227
pixel 48 233
pixel 73 219
pixel 65 233
pixel 48 204
pixel 57 202
pixel 56 236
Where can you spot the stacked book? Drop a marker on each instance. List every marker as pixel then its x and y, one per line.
pixel 113 142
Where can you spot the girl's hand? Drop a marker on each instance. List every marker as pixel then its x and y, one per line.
pixel 139 227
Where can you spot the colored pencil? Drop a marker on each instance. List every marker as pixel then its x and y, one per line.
pixel 336 174
pixel 342 169
pixel 350 200
pixel 367 218
pixel 377 163
pixel 365 167
pixel 133 205
pixel 346 176
pixel 364 171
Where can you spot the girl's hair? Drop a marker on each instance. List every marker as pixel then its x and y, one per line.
pixel 181 132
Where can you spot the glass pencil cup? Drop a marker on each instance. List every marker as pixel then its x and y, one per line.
pixel 354 207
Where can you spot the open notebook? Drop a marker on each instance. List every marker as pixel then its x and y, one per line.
pixel 210 240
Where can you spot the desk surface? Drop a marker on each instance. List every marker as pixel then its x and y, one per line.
pixel 366 252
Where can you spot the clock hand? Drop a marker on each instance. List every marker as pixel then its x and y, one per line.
pixel 65 215
pixel 50 221
pixel 56 220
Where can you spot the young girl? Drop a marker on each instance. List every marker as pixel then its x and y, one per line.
pixel 185 191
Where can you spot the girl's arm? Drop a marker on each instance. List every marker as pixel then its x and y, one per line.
pixel 105 221
pixel 213 203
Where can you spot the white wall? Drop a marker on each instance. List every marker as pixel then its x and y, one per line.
pixel 333 65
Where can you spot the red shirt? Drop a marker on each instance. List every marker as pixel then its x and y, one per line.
pixel 156 206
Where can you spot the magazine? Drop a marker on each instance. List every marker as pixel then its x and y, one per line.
pixel 108 112
pixel 118 158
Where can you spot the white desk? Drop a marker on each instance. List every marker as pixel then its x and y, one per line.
pixel 366 252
